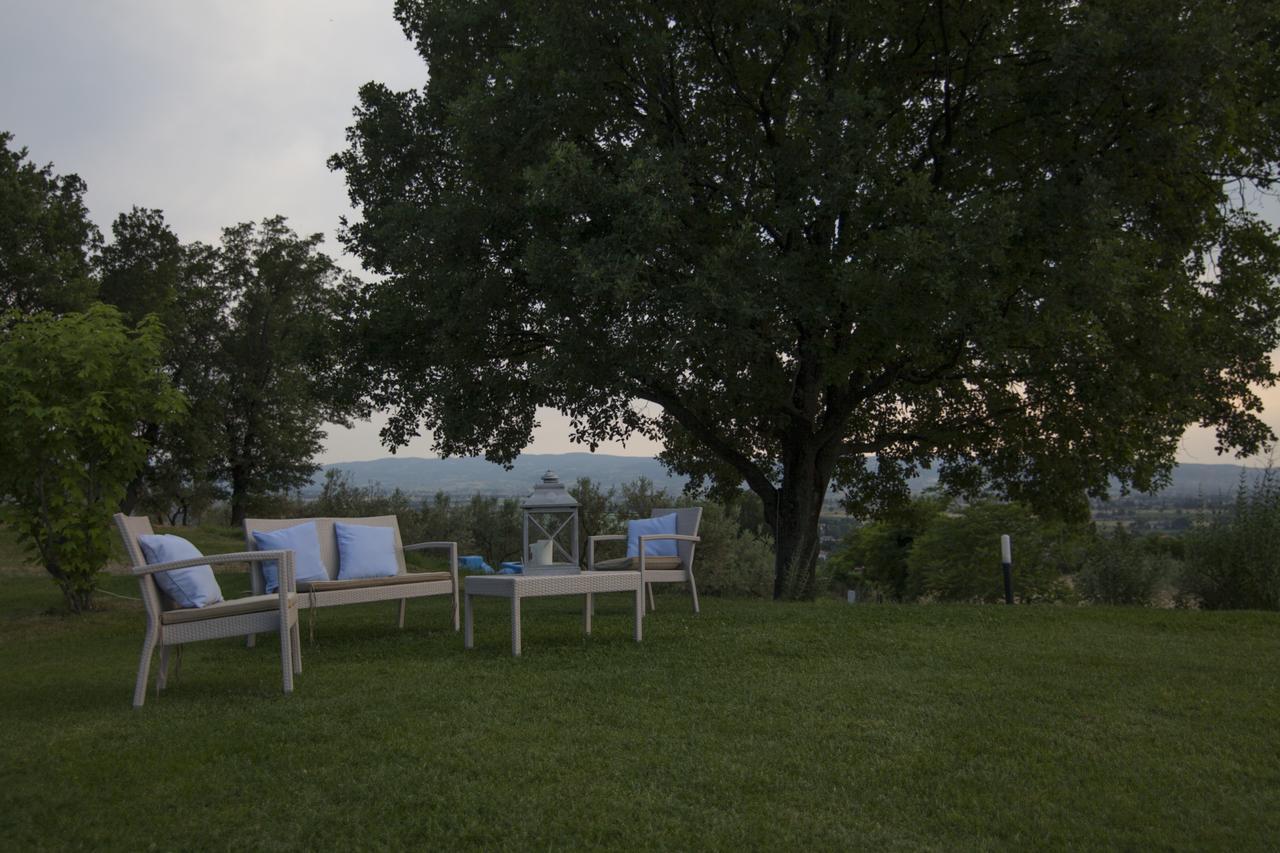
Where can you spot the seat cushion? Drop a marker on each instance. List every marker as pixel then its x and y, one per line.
pixel 648 527
pixel 194 586
pixel 365 551
pixel 303 541
pixel 632 564
pixel 361 583
pixel 235 607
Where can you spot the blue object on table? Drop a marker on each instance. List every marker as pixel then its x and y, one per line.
pixel 475 563
pixel 511 569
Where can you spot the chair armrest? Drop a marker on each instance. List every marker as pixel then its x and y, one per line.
pixel 212 560
pixel 419 546
pixel 603 537
pixel 453 555
pixel 286 583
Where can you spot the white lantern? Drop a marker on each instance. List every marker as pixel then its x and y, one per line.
pixel 551 515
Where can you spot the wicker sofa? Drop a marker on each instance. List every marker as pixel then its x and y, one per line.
pixel 334 591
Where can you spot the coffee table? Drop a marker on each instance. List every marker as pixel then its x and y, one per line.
pixel 517 587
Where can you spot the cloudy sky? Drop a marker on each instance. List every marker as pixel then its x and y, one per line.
pixel 225 112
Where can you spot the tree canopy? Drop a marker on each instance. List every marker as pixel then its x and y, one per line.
pixel 251 343
pixel 46 237
pixel 833 242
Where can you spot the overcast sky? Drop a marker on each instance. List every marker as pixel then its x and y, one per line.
pixel 225 111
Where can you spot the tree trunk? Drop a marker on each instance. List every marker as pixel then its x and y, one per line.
pixel 239 495
pixel 132 494
pixel 795 525
pixel 79 599
pixel 134 491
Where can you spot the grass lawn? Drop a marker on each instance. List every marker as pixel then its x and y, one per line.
pixel 752 726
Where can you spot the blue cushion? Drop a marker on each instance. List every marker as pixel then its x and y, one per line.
pixel 365 551
pixel 474 563
pixel 303 541
pixel 191 587
pixel 648 527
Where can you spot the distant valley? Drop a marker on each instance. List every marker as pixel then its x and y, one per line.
pixel 468 476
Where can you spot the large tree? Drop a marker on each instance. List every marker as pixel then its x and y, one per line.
pixel 46 238
pixel 140 272
pixel 834 242
pixel 275 356
pixel 251 324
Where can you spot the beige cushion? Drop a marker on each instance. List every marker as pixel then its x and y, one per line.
pixel 235 607
pixel 632 564
pixel 363 583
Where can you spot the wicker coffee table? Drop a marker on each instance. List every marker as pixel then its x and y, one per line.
pixel 517 587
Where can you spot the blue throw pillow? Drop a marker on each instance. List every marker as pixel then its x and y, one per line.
pixel 365 551
pixel 648 527
pixel 475 563
pixel 191 587
pixel 304 542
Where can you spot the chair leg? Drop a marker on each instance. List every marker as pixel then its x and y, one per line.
pixel 652 604
pixel 286 656
pixel 693 590
pixel 295 644
pixel 162 677
pixel 250 641
pixel 403 602
pixel 144 668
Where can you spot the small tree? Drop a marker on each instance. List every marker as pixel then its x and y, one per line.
pixel 73 390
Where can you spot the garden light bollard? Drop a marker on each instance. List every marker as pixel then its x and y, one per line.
pixel 1006 563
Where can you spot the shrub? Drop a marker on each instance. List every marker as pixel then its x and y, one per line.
pixel 1120 570
pixel 957 557
pixel 730 560
pixel 73 390
pixel 1234 562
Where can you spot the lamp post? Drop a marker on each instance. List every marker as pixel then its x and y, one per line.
pixel 550 512
pixel 1006 564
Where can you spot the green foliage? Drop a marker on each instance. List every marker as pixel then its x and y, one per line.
pixel 957 557
pixel 731 560
pixel 252 344
pixel 876 553
pixel 72 392
pixel 1234 562
pixel 815 233
pixel 276 356
pixel 46 237
pixel 1122 569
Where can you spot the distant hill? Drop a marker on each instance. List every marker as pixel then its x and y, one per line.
pixel 469 476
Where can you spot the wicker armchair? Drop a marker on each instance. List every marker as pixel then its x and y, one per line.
pixel 169 626
pixel 678 569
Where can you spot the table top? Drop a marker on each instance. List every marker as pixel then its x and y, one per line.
pixel 532 585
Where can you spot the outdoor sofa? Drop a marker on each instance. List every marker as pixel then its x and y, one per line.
pixel 333 589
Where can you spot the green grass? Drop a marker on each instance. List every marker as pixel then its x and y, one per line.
pixel 753 726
